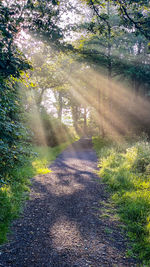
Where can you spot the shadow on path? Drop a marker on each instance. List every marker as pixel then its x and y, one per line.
pixel 61 224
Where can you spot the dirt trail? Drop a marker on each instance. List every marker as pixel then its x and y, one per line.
pixel 62 224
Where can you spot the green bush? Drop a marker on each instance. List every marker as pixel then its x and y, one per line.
pixel 14 146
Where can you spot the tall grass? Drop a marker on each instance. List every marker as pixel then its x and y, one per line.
pixel 126 170
pixel 15 191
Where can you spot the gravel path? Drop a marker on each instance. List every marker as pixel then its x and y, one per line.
pixel 62 224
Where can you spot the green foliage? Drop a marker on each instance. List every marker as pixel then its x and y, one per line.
pixel 12 195
pixel 132 13
pixel 41 19
pixel 136 14
pixel 12 60
pixel 141 163
pixel 13 134
pixel 126 171
pixel 14 148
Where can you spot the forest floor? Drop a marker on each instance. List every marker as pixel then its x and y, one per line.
pixel 68 221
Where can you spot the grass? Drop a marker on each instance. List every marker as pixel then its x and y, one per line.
pixel 15 192
pixel 45 156
pixel 126 170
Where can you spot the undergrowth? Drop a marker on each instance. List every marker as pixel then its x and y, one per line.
pixel 126 170
pixel 15 190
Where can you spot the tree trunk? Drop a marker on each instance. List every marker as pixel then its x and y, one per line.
pixel 60 107
pixel 109 66
pixel 39 100
pixel 100 113
pixel 99 110
pixel 75 117
pixel 85 121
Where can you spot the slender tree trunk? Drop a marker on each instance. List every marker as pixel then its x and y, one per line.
pixel 99 109
pixel 85 121
pixel 109 59
pixel 60 108
pixel 39 100
pixel 75 117
pixel 109 42
pixel 109 66
pixel 136 88
pixel 100 112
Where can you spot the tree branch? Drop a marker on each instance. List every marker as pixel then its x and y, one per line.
pixel 135 23
pixel 97 13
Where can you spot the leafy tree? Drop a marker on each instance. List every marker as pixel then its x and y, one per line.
pixel 135 14
pixel 12 61
pixel 13 134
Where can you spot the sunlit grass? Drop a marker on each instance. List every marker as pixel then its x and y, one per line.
pixel 126 171
pixel 45 156
pixel 12 195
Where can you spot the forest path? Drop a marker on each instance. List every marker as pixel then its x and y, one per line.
pixel 62 224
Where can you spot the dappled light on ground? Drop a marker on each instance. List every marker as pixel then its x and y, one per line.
pixel 65 234
pixel 65 230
